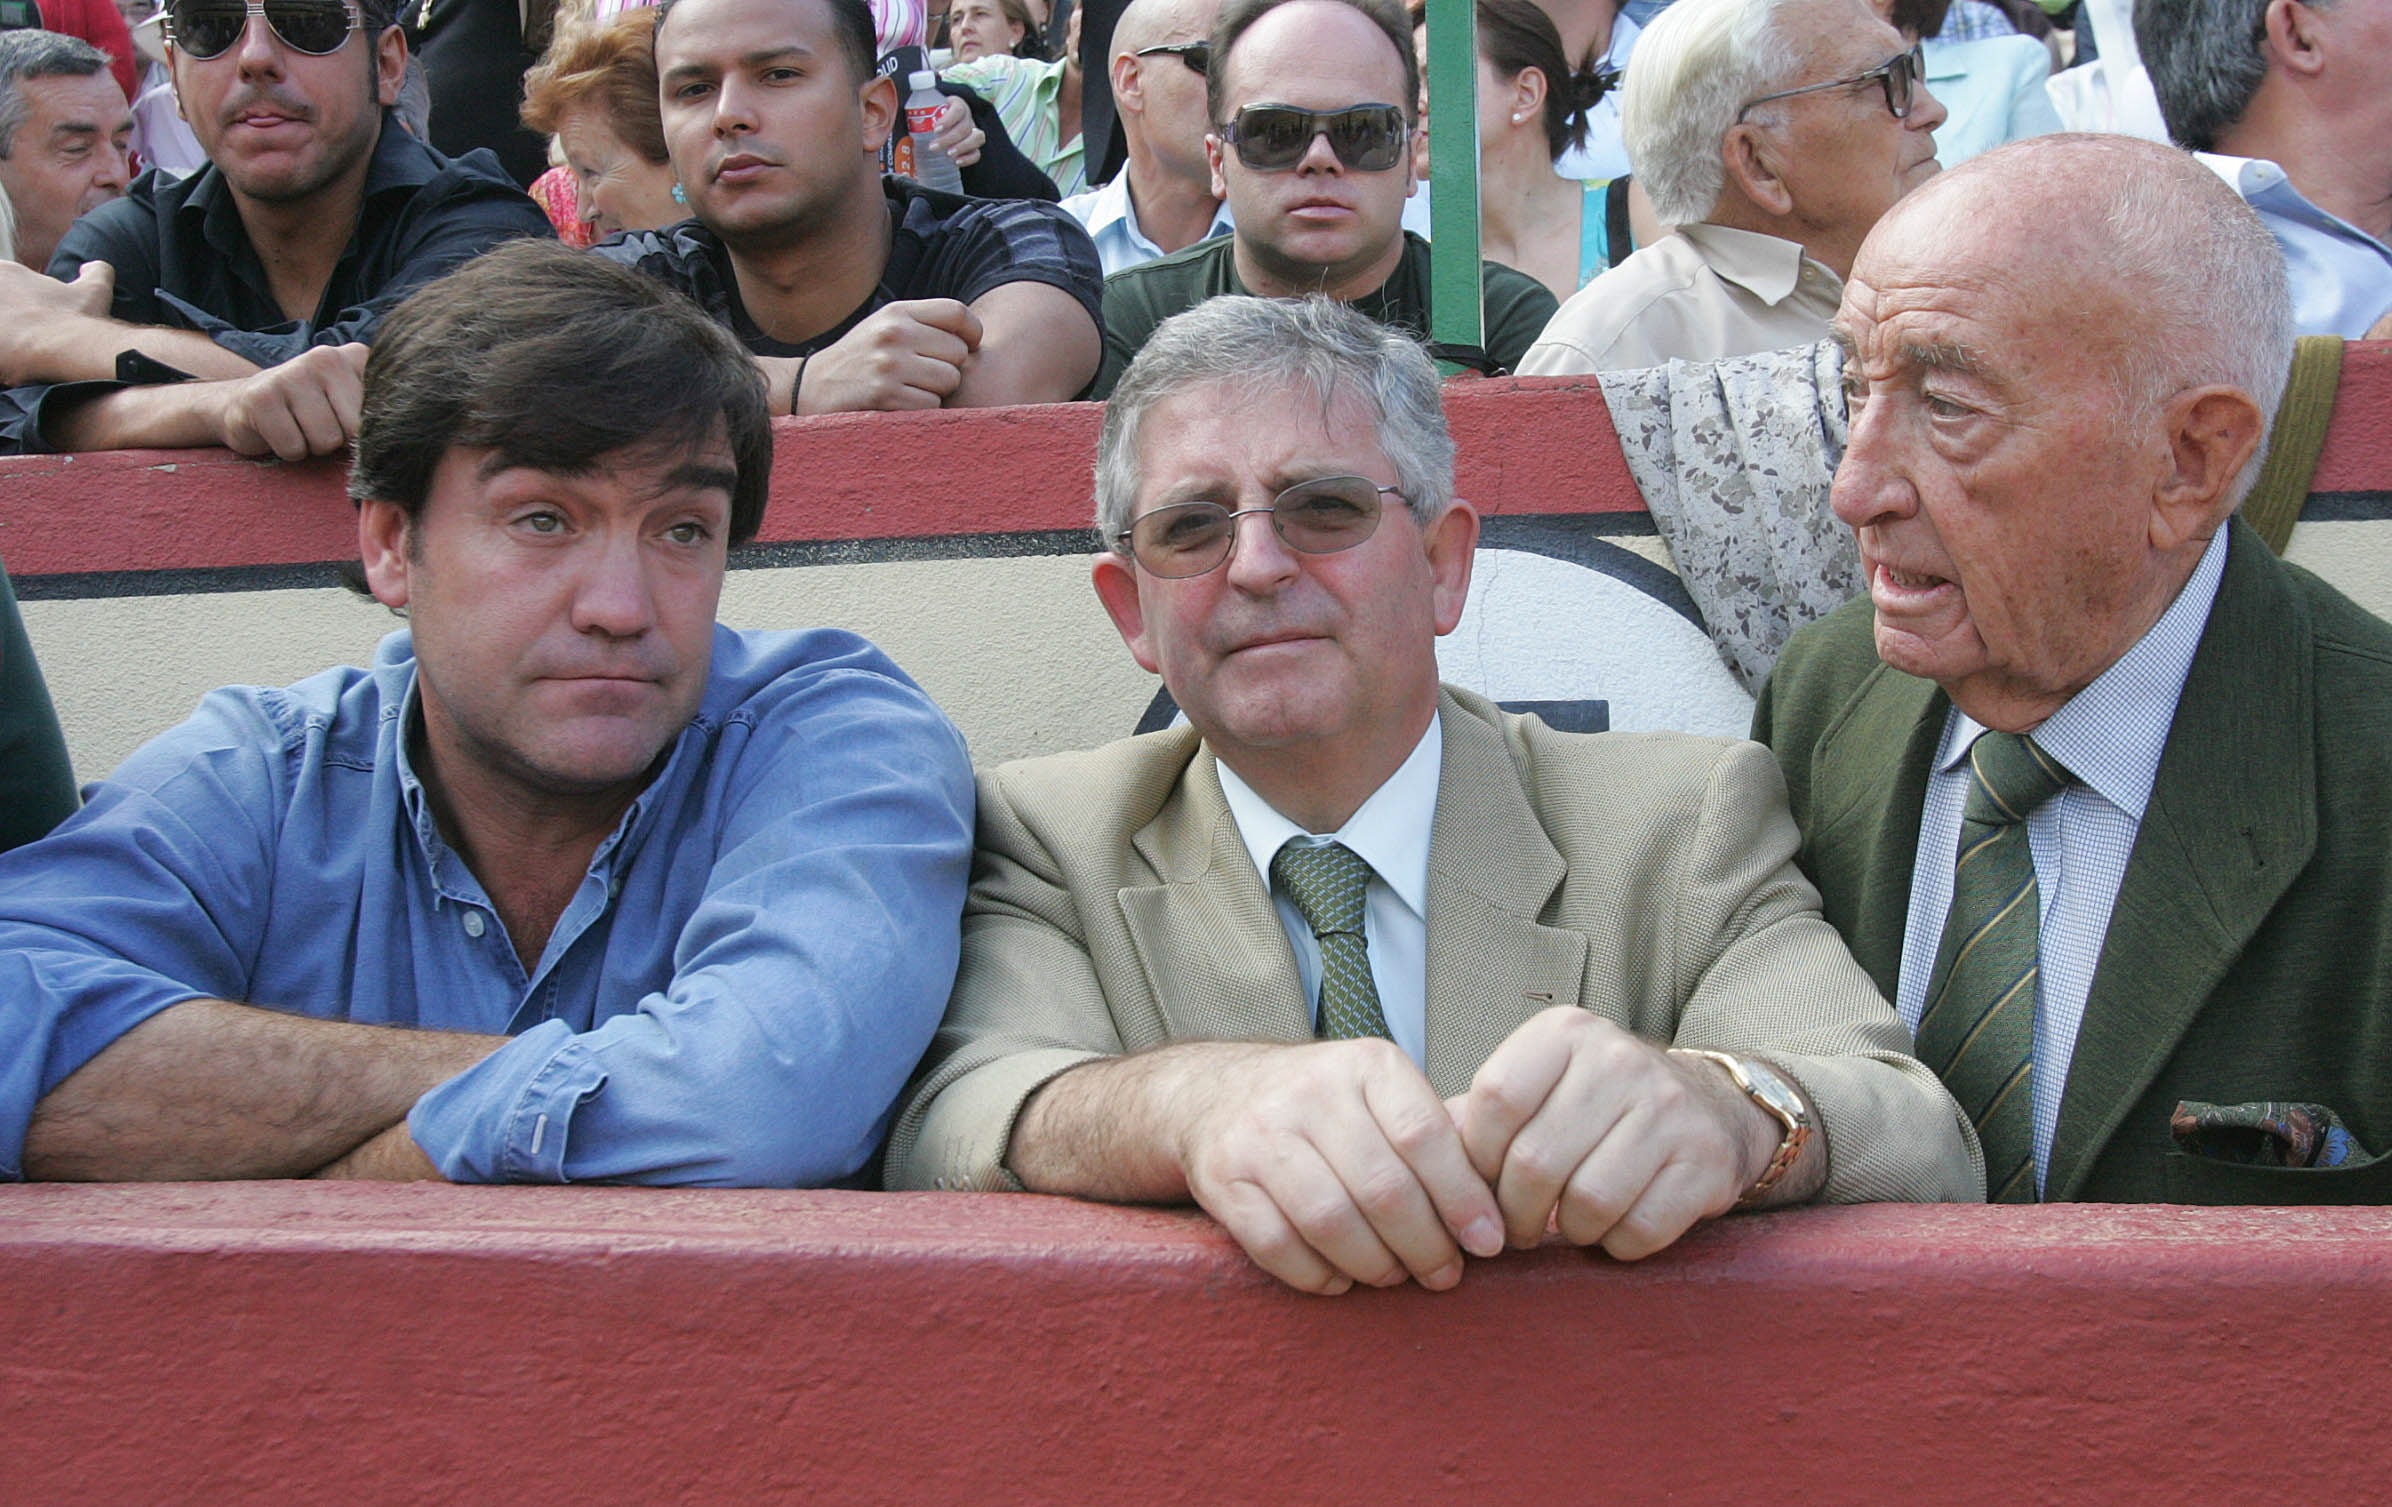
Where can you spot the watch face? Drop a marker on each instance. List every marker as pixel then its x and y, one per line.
pixel 1772 1089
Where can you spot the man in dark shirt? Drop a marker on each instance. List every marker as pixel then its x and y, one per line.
pixel 260 277
pixel 1318 201
pixel 854 291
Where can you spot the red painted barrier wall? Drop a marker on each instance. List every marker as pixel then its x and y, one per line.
pixel 288 1343
pixel 285 1342
pixel 1541 445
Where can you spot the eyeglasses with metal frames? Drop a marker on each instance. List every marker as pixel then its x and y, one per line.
pixel 1899 74
pixel 1319 517
pixel 1198 56
pixel 203 29
pixel 1274 138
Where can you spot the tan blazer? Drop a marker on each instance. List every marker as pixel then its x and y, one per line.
pixel 1647 877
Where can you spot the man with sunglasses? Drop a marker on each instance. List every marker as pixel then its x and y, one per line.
pixel 1312 104
pixel 233 307
pixel 1163 198
pixel 1376 973
pixel 1773 134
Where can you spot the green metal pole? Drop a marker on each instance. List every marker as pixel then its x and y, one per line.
pixel 1456 316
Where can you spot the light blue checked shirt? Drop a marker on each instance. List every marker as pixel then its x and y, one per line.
pixel 2110 735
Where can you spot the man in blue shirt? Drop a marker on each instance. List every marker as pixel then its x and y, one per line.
pixel 573 884
pixel 2291 104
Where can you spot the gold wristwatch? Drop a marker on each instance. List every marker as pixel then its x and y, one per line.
pixel 1779 1100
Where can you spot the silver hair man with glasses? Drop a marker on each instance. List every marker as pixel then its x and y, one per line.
pixel 1312 105
pixel 233 307
pixel 1772 134
pixel 1376 973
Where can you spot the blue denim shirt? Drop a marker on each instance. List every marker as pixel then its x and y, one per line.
pixel 734 997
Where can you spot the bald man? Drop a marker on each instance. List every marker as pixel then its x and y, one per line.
pixel 1163 198
pixel 2092 783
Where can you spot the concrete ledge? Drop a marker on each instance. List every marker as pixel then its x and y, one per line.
pixel 284 1342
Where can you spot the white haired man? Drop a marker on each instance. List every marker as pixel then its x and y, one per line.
pixel 2092 783
pixel 1773 134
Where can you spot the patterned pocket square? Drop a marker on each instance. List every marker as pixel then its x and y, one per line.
pixel 2269 1133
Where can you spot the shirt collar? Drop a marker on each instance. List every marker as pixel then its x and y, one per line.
pixel 1766 266
pixel 1624 33
pixel 1108 205
pixel 2111 734
pixel 394 662
pixel 1390 831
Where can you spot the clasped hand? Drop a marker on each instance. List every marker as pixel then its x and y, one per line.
pixel 1336 1163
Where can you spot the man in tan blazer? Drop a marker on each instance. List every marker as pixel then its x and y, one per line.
pixel 1517 945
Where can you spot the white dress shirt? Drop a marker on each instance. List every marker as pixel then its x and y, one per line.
pixel 1109 216
pixel 1390 831
pixel 2110 735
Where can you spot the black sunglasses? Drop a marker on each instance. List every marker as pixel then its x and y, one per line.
pixel 1899 74
pixel 1197 55
pixel 202 29
pixel 1313 517
pixel 1274 138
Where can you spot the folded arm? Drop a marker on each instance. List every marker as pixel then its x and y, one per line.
pixel 306 406
pixel 1761 973
pixel 1037 345
pixel 53 331
pixel 211 1089
pixel 807 979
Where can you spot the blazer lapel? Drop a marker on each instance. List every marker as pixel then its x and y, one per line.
pixel 1207 936
pixel 1892 727
pixel 1491 872
pixel 2232 820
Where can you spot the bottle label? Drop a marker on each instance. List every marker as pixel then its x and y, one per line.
pixel 921 120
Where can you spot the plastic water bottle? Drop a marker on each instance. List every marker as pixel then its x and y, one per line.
pixel 933 168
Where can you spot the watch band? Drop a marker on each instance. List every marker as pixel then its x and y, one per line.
pixel 1779 1100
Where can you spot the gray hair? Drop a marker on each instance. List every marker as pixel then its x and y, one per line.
pixel 1695 67
pixel 1264 344
pixel 38 54
pixel 2183 249
pixel 2206 59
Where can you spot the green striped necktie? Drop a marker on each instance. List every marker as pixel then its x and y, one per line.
pixel 1978 1029
pixel 1328 882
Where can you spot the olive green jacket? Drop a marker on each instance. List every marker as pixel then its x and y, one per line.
pixel 2249 955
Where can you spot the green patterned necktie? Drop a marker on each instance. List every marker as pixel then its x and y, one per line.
pixel 1978 1029
pixel 1328 882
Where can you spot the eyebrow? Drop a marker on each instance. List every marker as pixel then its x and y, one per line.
pixel 699 476
pixel 1944 356
pixel 796 51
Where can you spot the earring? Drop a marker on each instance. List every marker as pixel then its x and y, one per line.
pixel 680 195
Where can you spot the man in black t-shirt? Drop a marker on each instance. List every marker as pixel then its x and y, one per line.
pixel 853 291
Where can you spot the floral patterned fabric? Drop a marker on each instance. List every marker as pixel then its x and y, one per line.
pixel 1734 459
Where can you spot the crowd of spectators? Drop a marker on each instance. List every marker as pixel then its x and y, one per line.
pixel 715 878
pixel 1766 138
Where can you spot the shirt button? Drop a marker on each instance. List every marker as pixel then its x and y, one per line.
pixel 473 923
